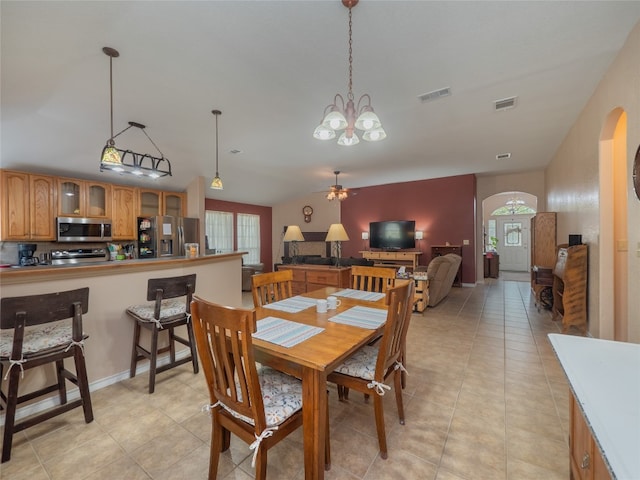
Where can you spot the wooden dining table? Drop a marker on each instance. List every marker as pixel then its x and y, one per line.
pixel 312 360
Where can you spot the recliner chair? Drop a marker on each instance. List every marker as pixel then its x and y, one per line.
pixel 441 273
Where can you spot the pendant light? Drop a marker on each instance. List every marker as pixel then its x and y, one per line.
pixel 216 184
pixel 349 117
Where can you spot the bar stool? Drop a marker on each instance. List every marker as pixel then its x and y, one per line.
pixel 165 312
pixel 39 336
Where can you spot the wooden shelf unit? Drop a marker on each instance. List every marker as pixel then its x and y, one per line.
pixel 392 259
pixel 543 248
pixel 439 250
pixel 421 295
pixel 307 278
pixel 570 287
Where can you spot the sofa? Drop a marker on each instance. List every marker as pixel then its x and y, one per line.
pixel 441 272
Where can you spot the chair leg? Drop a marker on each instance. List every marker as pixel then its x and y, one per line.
pixel 10 415
pixel 217 441
pixel 327 441
pixel 382 436
pixel 62 386
pixel 172 345
pixel 261 463
pixel 134 350
pixel 397 380
pixel 192 346
pixel 83 383
pixel 153 359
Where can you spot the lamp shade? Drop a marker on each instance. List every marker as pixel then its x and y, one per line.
pixel 419 235
pixel 365 235
pixel 336 233
pixel 293 234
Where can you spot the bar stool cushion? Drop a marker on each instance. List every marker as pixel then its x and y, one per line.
pixel 169 308
pixel 361 364
pixel 281 395
pixel 38 338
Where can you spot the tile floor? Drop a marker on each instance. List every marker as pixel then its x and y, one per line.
pixel 486 399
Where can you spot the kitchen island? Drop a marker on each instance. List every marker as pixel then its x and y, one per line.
pixel 113 286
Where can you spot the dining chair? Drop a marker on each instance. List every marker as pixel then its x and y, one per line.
pixel 370 366
pixel 168 307
pixel 372 279
pixel 38 330
pixel 257 403
pixel 271 287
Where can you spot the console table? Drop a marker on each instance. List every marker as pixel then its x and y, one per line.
pixel 307 278
pixel 392 259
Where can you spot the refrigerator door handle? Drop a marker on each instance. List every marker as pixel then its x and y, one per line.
pixel 181 239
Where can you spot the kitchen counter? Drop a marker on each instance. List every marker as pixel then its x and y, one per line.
pixel 605 379
pixel 11 276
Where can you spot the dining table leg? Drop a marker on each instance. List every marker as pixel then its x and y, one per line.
pixel 314 421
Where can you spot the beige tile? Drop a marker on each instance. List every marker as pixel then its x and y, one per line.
pixel 519 470
pixel 122 468
pixel 401 465
pixel 66 438
pixel 538 450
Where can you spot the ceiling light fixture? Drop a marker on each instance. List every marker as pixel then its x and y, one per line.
pixel 216 184
pixel 339 116
pixel 336 191
pixel 126 161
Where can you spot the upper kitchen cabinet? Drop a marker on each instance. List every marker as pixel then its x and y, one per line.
pixel 80 198
pixel 150 202
pixel 175 204
pixel 28 206
pixel 125 208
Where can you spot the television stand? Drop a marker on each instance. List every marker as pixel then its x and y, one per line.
pixel 394 259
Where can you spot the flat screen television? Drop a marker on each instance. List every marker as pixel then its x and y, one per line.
pixel 392 235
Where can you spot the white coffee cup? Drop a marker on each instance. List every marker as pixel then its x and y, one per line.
pixel 332 303
pixel 321 306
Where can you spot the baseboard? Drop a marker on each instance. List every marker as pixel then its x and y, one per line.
pixel 74 393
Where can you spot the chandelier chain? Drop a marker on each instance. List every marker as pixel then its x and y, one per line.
pixel 350 94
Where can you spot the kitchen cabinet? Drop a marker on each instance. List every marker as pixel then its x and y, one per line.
pixel 175 204
pixel 125 212
pixel 585 457
pixel 80 198
pixel 28 206
pixel 157 202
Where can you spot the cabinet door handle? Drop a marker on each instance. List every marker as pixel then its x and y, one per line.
pixel 586 460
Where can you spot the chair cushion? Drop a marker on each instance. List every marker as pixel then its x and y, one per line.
pixel 281 395
pixel 41 337
pixel 361 364
pixel 168 308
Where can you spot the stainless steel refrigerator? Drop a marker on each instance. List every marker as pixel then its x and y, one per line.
pixel 165 236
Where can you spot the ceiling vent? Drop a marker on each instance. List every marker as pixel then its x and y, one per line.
pixel 235 151
pixel 427 97
pixel 505 103
pixel 503 156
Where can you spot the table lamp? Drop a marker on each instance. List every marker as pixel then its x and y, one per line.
pixel 337 234
pixel 294 235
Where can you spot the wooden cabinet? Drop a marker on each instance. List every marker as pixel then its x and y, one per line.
pixel 125 213
pixel 438 250
pixel 28 206
pixel 570 287
pixel 491 265
pixel 175 204
pixel 393 259
pixel 157 202
pixel 586 460
pixel 79 198
pixel 543 243
pixel 307 278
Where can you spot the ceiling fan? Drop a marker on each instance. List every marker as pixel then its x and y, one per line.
pixel 336 191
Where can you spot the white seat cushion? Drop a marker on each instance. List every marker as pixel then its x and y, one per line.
pixel 37 338
pixel 281 395
pixel 361 364
pixel 168 308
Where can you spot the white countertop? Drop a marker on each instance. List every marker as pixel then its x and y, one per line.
pixel 605 378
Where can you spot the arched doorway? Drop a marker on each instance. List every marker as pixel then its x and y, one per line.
pixel 613 251
pixel 506 221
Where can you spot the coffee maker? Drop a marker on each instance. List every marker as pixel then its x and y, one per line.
pixel 26 254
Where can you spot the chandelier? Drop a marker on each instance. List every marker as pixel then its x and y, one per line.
pixel 126 161
pixel 336 191
pixel 514 204
pixel 348 117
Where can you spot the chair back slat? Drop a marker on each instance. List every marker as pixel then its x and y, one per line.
pixel 223 337
pixel 46 308
pixel 400 304
pixel 271 287
pixel 372 279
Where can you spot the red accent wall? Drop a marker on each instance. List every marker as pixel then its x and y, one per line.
pixel 265 223
pixel 443 208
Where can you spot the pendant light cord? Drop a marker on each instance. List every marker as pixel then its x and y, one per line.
pixel 350 94
pixel 111 142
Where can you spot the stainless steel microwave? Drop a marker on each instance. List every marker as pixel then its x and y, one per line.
pixel 77 229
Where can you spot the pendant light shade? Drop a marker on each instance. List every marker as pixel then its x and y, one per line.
pixel 216 184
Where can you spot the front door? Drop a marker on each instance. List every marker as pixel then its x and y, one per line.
pixel 513 243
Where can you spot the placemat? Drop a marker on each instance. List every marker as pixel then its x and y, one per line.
pixel 293 304
pixel 365 317
pixel 284 332
pixel 360 294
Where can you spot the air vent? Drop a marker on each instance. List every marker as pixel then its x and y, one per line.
pixel 427 97
pixel 503 156
pixel 505 103
pixel 235 151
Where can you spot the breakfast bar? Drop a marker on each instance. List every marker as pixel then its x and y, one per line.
pixel 113 286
